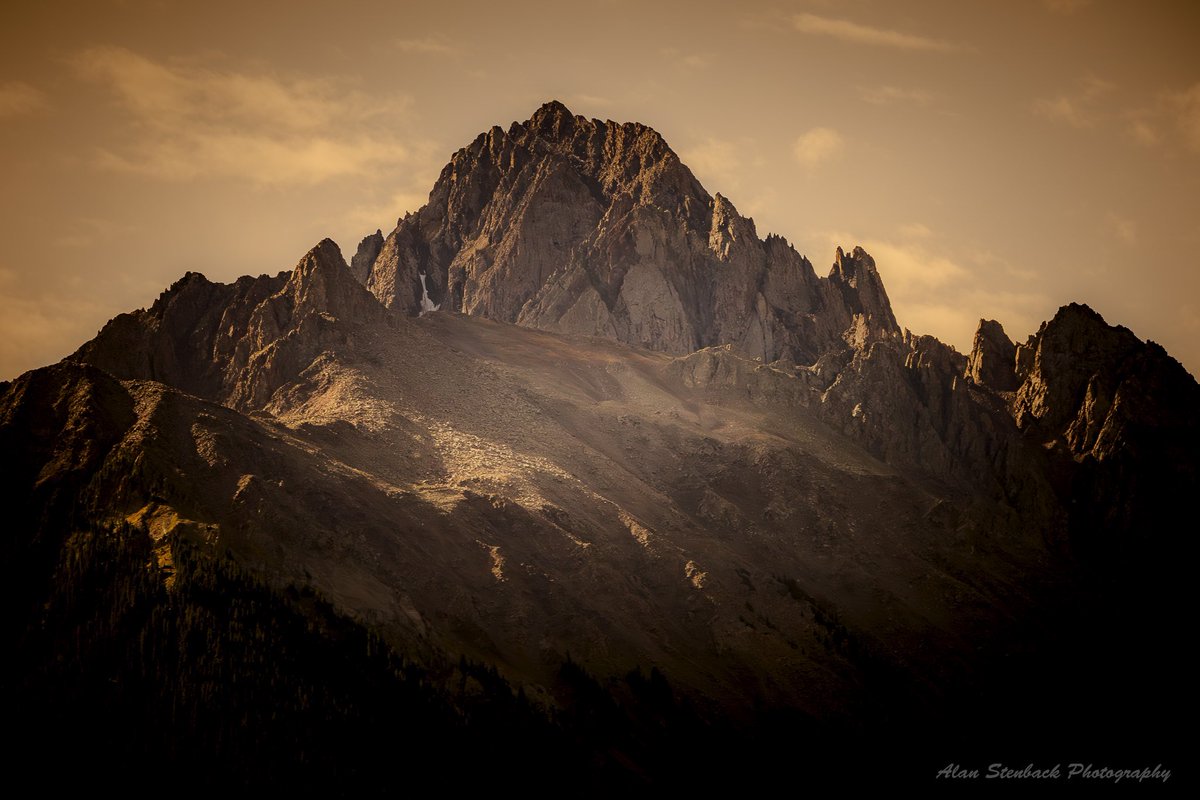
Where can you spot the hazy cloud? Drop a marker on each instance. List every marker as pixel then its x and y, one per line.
pixel 914 268
pixel 428 45
pixel 1170 121
pixel 688 61
pixel 1078 109
pixel 18 98
pixel 1123 228
pixel 384 213
pixel 1143 133
pixel 713 159
pixel 893 95
pixel 92 231
pixel 41 329
pixel 817 145
pixel 188 122
pixel 1187 109
pixel 915 230
pixel 848 31
pixel 588 100
pixel 1063 109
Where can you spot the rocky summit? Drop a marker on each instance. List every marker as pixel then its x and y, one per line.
pixel 573 477
pixel 595 228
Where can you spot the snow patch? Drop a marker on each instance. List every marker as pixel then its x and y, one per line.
pixel 427 303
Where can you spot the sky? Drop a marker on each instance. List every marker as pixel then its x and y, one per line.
pixel 998 159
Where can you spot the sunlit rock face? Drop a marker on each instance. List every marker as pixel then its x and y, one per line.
pixel 583 226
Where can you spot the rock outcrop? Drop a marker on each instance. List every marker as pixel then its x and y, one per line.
pixel 236 343
pixel 583 226
pixel 1123 418
pixel 364 257
pixel 992 362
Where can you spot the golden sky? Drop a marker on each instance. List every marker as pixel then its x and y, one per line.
pixel 999 159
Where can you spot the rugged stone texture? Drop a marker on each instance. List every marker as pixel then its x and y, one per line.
pixel 861 288
pixel 1076 357
pixel 236 343
pixel 992 362
pixel 364 257
pixel 909 403
pixel 583 226
pixel 1124 419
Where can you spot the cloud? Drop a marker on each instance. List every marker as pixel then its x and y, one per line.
pixel 686 61
pixel 92 231
pixel 733 167
pixel 893 95
pixel 1063 109
pixel 429 45
pixel 853 32
pixel 1186 105
pixel 18 98
pixel 914 268
pixel 915 230
pixel 1077 109
pixel 588 100
pixel 1170 121
pixel 384 213
pixel 1123 228
pixel 817 145
pixel 36 331
pixel 186 122
pixel 715 159
pixel 1143 133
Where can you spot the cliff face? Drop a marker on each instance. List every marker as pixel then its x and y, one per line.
pixel 237 343
pixel 587 227
pixel 583 226
pixel 1122 418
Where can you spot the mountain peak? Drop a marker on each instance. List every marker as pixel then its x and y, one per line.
pixel 555 121
pixel 992 361
pixel 551 109
pixel 1081 311
pixel 859 281
pixel 323 283
pixel 321 264
pixel 597 227
pixel 364 257
pixel 325 254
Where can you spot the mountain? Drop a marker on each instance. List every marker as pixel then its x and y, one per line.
pixel 588 227
pixel 572 463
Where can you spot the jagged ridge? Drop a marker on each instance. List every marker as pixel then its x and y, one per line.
pixel 584 226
